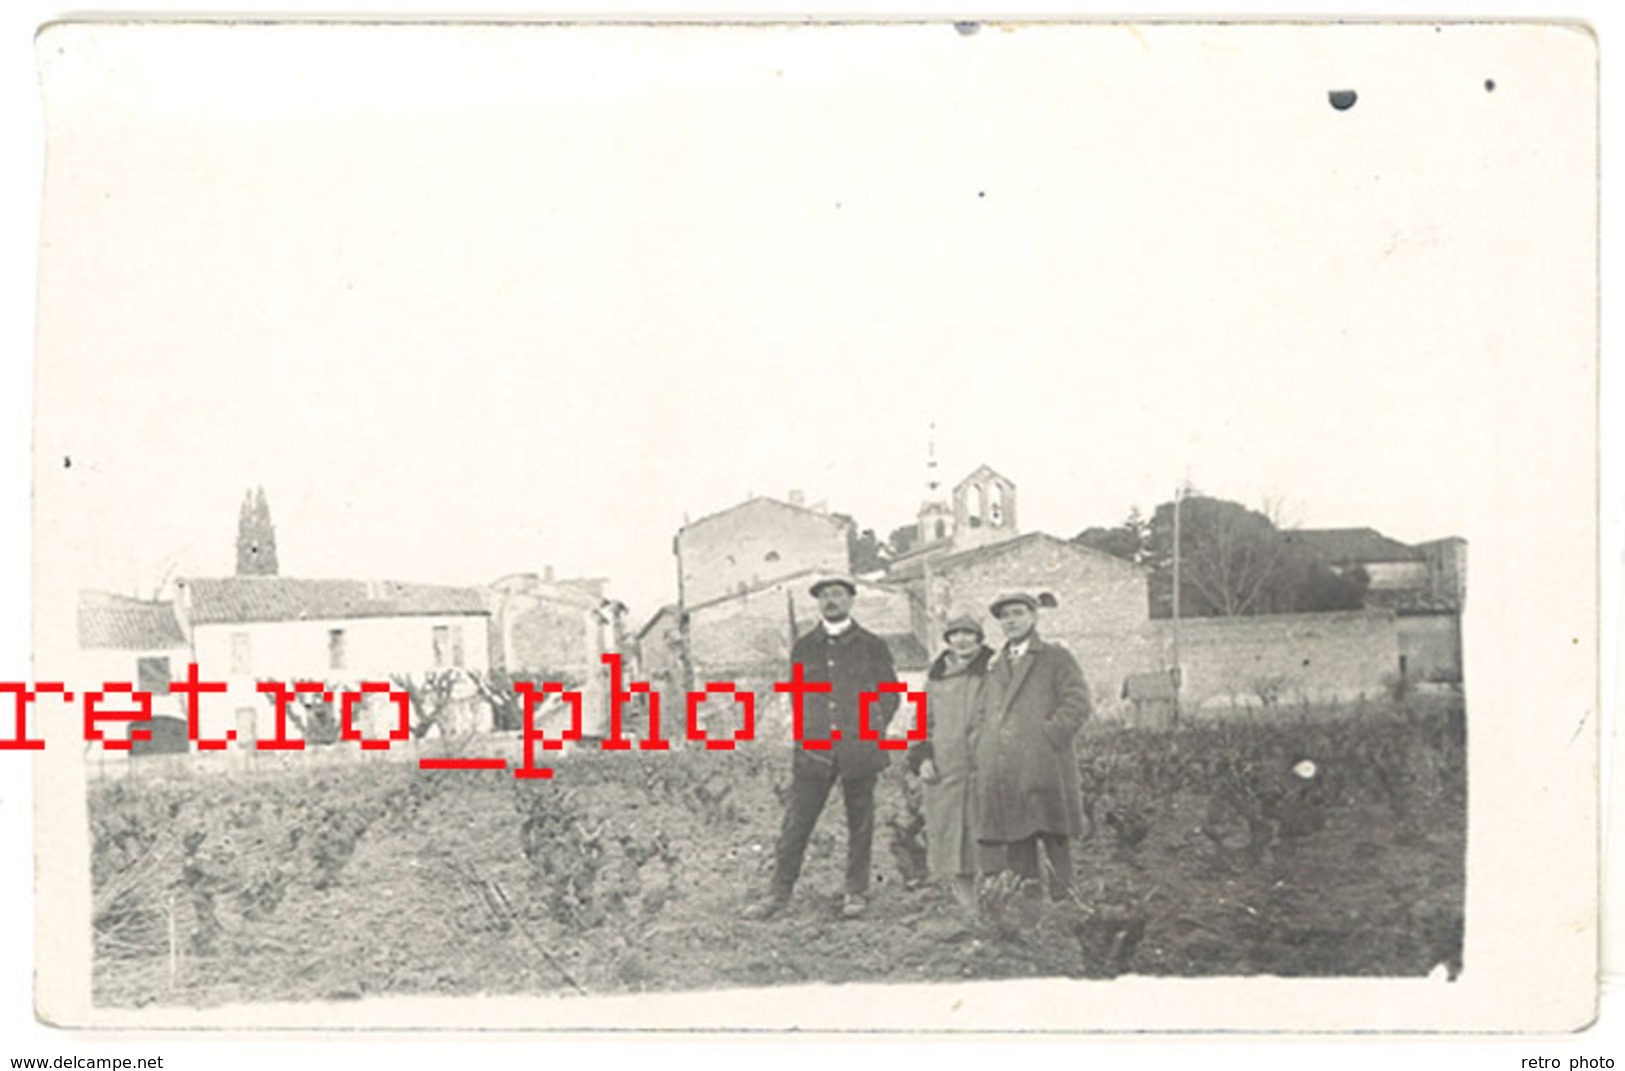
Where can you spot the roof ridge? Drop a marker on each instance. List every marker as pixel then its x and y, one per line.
pixel 988 549
pixel 243 600
pixel 765 584
pixel 828 515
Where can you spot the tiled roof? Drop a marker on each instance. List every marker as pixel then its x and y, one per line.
pixel 125 624
pixel 800 575
pixel 1348 545
pixel 241 599
pixel 758 501
pixel 950 562
pixel 668 608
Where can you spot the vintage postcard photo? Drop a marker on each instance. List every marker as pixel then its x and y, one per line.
pixel 919 526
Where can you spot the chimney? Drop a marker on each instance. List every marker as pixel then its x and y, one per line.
pixel 547 573
pixel 797 498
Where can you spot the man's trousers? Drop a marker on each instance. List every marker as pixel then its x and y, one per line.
pixel 809 790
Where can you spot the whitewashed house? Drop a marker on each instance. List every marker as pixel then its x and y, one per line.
pixel 247 629
pixel 135 642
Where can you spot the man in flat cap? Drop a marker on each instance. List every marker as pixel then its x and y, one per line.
pixel 852 660
pixel 1027 792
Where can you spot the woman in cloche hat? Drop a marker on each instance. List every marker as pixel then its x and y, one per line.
pixel 943 760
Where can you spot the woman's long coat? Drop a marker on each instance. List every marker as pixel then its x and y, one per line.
pixel 1026 770
pixel 953 697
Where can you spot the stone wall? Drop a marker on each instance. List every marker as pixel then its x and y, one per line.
pixel 756 542
pixel 1431 646
pixel 1097 595
pixel 1247 662
pixel 1447 567
pixel 545 636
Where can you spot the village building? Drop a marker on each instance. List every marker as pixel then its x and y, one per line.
pixel 1393 569
pixel 138 642
pixel 247 629
pixel 659 643
pixel 743 574
pixel 1447 571
pixel 756 541
pixel 981 512
pixel 1423 585
pixel 971 548
pixel 542 625
pixel 545 628
pixel 1430 622
pixel 1095 604
pixel 244 630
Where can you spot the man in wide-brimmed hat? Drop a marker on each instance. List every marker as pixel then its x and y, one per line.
pixel 852 660
pixel 1027 791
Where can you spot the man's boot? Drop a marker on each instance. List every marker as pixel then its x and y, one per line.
pixel 765 908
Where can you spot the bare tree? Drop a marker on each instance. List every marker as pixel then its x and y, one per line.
pixel 311 711
pixel 498 688
pixel 430 695
pixel 1232 560
pixel 1228 554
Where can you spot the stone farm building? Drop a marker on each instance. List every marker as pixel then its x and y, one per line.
pixel 743 574
pixel 557 629
pixel 758 540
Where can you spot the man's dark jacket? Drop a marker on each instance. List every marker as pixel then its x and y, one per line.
pixel 854 662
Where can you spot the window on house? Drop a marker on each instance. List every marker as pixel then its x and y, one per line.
pixel 335 648
pixel 772 556
pixel 242 654
pixel 942 529
pixel 448 646
pixel 153 675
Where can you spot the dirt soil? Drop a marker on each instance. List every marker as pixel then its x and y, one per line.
pixel 626 872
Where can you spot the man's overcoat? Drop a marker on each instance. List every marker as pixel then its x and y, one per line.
pixel 854 662
pixel 1026 770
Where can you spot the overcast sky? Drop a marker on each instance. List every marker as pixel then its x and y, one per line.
pixel 469 304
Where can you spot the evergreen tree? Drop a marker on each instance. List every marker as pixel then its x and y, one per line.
pixel 256 536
